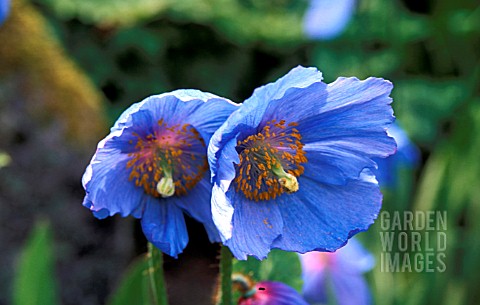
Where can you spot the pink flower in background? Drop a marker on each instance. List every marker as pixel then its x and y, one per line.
pixel 272 293
pixel 340 272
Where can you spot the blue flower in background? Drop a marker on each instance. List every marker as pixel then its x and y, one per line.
pixel 291 167
pixel 326 19
pixel 407 156
pixel 153 165
pixel 342 272
pixel 273 293
pixel 4 10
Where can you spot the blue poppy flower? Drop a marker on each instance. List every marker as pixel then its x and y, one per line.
pixel 272 293
pixel 326 19
pixel 407 156
pixel 4 10
pixel 153 165
pixel 340 272
pixel 291 167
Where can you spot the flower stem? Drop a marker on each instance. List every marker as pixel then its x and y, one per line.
pixel 155 274
pixel 225 277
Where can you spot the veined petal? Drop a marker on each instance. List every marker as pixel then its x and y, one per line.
pixel 106 182
pixel 197 205
pixel 297 78
pixel 351 107
pixel 323 216
pixel 184 106
pixel 164 226
pixel 348 130
pixel 211 115
pixel 254 227
pixel 221 162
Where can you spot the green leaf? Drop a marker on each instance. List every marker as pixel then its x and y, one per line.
pixel 34 281
pixel 134 286
pixel 279 266
pixel 143 283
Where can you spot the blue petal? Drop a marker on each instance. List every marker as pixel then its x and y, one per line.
pixel 353 258
pixel 106 182
pixel 204 111
pixel 210 115
pixel 4 10
pixel 326 19
pixel 164 226
pixel 350 289
pixel 196 203
pixel 323 216
pixel 348 130
pixel 297 78
pixel 125 116
pixel 407 156
pixel 223 163
pixel 255 226
pixel 314 285
pixel 222 211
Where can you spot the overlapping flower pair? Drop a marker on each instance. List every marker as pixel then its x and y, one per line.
pixel 290 168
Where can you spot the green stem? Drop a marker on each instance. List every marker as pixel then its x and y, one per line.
pixel 225 277
pixel 155 274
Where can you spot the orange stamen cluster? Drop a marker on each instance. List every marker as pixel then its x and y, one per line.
pixel 276 145
pixel 177 150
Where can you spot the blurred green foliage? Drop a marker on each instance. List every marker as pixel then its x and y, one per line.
pixel 243 21
pixel 134 286
pixel 35 281
pixel 279 266
pixel 428 49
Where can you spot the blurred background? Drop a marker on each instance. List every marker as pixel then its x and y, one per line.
pixel 68 68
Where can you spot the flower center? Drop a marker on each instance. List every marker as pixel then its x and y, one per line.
pixel 270 161
pixel 168 162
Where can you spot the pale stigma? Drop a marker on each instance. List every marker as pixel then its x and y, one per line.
pixel 166 187
pixel 287 180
